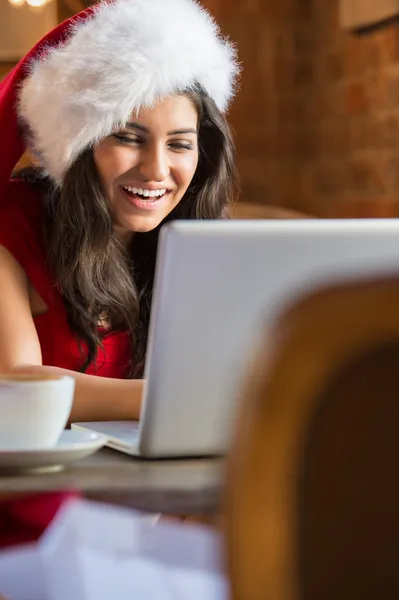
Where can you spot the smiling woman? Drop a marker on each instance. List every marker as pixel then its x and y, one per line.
pixel 133 134
pixel 146 168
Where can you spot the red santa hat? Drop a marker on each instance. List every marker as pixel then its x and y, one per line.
pixel 87 76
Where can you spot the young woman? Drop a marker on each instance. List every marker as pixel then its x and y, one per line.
pixel 123 109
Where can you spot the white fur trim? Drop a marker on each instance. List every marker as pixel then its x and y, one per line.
pixel 130 54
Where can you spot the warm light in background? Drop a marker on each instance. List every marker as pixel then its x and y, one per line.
pixel 36 3
pixel 22 26
pixel 32 3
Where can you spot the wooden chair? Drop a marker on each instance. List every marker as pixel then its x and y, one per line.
pixel 312 502
pixel 248 210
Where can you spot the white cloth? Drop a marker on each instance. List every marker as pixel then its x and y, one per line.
pixel 95 552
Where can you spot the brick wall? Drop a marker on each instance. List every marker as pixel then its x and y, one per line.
pixel 317 119
pixel 263 116
pixel 349 107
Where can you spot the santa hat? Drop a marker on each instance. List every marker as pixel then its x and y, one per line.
pixel 85 78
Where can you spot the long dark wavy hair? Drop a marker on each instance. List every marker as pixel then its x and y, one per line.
pixel 97 277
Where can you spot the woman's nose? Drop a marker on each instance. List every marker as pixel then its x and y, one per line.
pixel 154 164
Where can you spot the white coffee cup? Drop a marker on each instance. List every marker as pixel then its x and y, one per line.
pixel 34 410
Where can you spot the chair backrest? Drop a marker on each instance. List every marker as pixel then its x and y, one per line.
pixel 312 500
pixel 248 210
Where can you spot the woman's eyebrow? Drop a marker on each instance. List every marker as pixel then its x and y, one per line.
pixel 183 131
pixel 144 129
pixel 137 126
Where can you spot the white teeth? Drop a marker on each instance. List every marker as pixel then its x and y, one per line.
pixel 145 193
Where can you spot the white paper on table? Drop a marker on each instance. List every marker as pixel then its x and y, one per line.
pixel 22 574
pixel 94 551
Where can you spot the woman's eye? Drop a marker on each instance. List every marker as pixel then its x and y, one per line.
pixel 126 139
pixel 181 146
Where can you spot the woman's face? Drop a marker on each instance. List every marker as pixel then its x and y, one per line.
pixel 146 167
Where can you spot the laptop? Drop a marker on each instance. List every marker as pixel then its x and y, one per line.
pixel 217 285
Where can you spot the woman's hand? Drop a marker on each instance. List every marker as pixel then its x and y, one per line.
pixel 96 398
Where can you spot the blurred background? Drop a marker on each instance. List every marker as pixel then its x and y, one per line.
pixel 317 116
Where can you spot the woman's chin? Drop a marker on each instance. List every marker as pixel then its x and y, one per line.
pixel 141 224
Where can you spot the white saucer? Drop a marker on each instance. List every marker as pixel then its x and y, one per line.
pixel 72 446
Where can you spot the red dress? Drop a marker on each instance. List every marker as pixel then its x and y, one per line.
pixel 21 217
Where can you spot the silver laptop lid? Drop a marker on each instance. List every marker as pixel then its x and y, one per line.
pixel 217 284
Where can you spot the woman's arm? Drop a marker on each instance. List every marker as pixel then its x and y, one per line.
pixel 96 398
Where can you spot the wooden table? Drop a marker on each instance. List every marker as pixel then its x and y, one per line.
pixel 175 487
